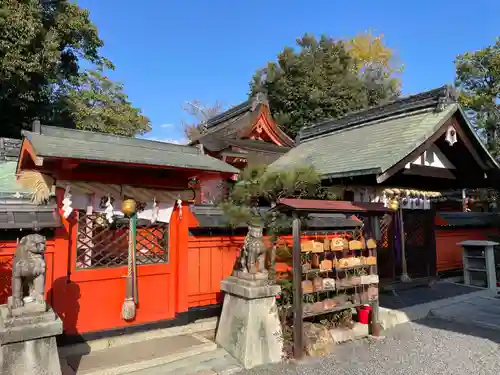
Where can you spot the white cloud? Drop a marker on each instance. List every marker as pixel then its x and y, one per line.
pixel 166 126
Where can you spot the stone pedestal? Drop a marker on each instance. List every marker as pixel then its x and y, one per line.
pixel 28 342
pixel 249 327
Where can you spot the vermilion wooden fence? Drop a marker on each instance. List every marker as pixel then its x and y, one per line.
pixel 90 300
pixel 448 253
pixel 210 260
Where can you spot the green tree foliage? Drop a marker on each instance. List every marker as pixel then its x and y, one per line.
pixel 257 187
pixel 42 46
pixel 98 104
pixel 478 83
pixel 324 78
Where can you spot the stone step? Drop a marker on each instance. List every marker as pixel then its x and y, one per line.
pixel 125 359
pixel 217 362
pixel 200 327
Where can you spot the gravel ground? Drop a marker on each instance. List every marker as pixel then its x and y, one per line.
pixel 427 347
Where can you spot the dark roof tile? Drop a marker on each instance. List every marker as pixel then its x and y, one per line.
pixel 77 144
pixel 24 215
pixel 469 219
pixel 210 216
pixel 412 103
pixel 9 149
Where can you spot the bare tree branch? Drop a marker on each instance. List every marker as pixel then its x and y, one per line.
pixel 201 114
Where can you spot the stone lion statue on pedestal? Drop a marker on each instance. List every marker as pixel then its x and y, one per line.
pixel 253 253
pixel 28 274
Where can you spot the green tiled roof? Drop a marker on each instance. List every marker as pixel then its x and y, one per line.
pixel 77 144
pixel 368 148
pixel 8 181
pixel 17 211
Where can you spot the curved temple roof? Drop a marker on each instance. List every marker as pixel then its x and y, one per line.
pixel 371 141
pixel 54 142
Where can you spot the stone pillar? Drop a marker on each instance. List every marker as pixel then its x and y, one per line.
pixel 28 326
pixel 28 343
pixel 249 327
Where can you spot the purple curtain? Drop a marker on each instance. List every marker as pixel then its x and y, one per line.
pixel 397 245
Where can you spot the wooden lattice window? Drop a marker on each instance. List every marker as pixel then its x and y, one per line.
pixel 101 244
pixel 385 224
pixel 152 243
pixel 415 229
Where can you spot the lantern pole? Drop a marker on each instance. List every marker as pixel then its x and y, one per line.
pixel 130 302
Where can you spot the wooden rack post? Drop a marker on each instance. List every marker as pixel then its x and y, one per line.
pixel 298 324
pixel 352 286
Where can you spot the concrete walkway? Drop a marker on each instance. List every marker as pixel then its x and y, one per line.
pixel 479 310
pixel 390 318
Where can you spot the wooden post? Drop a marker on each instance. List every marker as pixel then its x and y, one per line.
pixel 404 268
pixel 370 233
pixel 298 328
pixel 464 200
pixel 133 236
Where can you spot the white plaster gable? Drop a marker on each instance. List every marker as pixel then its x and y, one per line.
pixel 432 157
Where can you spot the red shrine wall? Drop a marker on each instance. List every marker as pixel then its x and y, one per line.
pixel 211 190
pixel 449 254
pixel 91 300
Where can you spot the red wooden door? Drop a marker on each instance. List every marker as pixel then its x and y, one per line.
pixel 94 290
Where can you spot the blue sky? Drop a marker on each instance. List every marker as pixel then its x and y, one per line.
pixel 167 52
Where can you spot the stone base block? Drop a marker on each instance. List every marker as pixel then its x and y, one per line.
pixel 33 357
pixel 358 331
pixel 30 307
pixel 250 289
pixel 28 343
pixel 262 276
pixel 249 327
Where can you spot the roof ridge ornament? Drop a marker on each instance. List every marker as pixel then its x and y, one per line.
pixel 259 98
pixel 448 96
pixel 451 135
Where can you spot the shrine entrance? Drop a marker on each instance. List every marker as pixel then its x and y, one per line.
pixel 120 257
pixel 420 243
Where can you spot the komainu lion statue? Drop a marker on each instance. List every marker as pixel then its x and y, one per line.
pixel 253 253
pixel 28 271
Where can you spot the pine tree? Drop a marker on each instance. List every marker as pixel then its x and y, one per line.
pixel 324 78
pixel 258 188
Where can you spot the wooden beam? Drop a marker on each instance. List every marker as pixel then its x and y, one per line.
pixel 466 141
pixel 131 166
pixel 272 129
pixel 414 154
pixel 27 152
pixel 126 178
pixel 298 327
pixel 68 165
pixel 425 171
